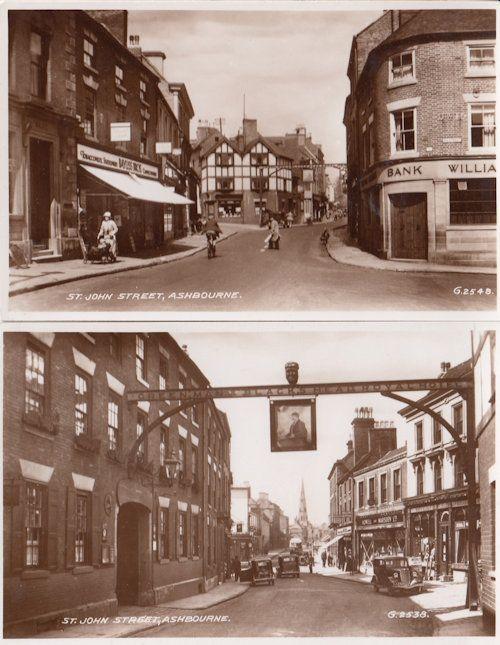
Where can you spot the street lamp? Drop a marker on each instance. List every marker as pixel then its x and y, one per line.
pixel 170 468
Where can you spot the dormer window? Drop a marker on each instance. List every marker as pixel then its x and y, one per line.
pixel 402 68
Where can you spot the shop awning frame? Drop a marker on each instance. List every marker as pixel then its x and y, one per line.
pixel 135 187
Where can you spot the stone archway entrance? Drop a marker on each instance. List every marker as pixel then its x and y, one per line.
pixel 132 554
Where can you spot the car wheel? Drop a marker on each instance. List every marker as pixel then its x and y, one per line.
pixel 375 588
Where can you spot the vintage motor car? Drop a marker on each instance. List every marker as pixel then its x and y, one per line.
pixel 246 571
pixel 262 571
pixel 397 573
pixel 288 565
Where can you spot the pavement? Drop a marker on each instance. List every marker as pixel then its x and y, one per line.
pixel 131 621
pixel 300 277
pixel 344 252
pixel 41 275
pixel 445 600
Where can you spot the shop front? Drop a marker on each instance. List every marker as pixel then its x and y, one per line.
pixel 343 553
pixel 380 534
pixel 140 205
pixel 441 211
pixel 438 532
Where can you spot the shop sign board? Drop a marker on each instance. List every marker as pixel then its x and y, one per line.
pixel 383 521
pixel 344 530
pixel 163 147
pixel 120 132
pixel 439 169
pixel 110 161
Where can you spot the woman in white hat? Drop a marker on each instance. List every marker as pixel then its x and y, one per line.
pixel 108 231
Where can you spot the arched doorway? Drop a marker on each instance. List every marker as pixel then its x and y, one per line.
pixel 132 553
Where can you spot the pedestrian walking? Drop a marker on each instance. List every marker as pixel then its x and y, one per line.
pixel 236 568
pixel 272 241
pixel 311 562
pixel 323 558
pixel 289 219
pixel 330 560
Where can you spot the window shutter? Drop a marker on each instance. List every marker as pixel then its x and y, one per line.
pixel 96 533
pixel 70 526
pixel 53 550
pixel 18 531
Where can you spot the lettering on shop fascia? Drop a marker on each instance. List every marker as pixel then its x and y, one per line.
pixel 436 169
pixel 266 391
pixel 115 162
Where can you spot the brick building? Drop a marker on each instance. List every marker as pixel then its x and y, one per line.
pixel 83 533
pixel 369 441
pixel 420 122
pixel 379 507
pixel 82 134
pixel 484 378
pixel 436 503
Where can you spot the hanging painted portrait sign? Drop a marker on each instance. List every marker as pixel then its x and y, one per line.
pixel 293 425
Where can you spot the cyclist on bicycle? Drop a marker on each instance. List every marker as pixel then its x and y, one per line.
pixel 212 231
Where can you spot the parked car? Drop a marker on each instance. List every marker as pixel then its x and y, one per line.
pixel 262 571
pixel 288 565
pixel 246 571
pixel 397 573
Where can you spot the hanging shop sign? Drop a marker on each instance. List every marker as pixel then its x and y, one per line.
pixel 120 131
pixel 108 160
pixel 293 425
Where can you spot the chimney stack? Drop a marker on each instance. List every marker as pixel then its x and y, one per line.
pixel 250 131
pixel 157 59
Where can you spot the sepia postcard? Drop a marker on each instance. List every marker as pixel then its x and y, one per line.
pixel 146 493
pixel 300 157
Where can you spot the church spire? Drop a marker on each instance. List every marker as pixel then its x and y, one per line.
pixel 303 521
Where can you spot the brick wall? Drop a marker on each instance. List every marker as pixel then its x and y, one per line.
pixel 486 449
pixel 441 69
pixel 60 585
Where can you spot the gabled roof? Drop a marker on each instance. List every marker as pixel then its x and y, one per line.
pixel 457 371
pixel 213 141
pixel 267 142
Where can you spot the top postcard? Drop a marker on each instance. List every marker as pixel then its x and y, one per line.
pixel 291 160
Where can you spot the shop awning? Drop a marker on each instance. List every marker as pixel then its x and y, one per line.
pixel 147 190
pixel 334 540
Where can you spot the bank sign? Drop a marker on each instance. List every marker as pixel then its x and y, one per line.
pixel 110 161
pixel 449 169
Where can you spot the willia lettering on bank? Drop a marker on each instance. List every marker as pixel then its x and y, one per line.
pixel 472 167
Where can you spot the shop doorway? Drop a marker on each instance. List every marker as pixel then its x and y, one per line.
pixel 132 553
pixel 409 226
pixel 444 544
pixel 41 191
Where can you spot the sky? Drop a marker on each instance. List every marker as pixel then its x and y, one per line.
pixel 248 358
pixel 291 66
